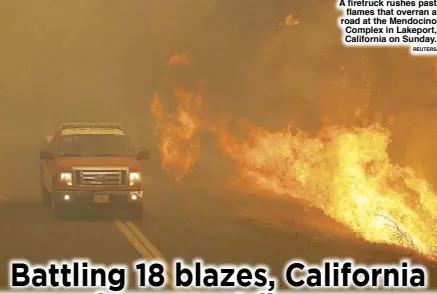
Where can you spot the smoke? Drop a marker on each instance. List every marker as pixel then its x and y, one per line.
pixel 269 73
pixel 79 60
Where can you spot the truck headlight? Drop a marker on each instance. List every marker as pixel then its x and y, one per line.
pixel 134 178
pixel 66 178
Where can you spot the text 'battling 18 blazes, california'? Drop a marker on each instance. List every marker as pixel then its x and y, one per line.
pixel 409 23
pixel 335 273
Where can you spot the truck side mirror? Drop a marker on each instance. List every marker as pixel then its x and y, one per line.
pixel 43 154
pixel 143 155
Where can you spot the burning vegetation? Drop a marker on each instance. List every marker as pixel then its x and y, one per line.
pixel 177 130
pixel 347 173
pixel 344 171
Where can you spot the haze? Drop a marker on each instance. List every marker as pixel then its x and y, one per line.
pixel 103 60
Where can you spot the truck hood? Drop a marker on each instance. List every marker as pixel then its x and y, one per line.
pixel 67 163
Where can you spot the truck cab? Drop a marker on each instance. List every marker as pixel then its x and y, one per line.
pixel 91 165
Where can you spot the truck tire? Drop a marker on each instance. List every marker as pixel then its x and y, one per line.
pixel 136 212
pixel 59 211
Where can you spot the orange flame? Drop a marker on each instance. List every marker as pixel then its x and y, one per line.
pixel 290 20
pixel 178 60
pixel 347 174
pixel 177 131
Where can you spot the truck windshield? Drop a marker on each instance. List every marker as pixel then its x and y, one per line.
pixel 94 145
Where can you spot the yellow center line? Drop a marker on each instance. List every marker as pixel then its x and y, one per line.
pixel 142 244
pixel 152 249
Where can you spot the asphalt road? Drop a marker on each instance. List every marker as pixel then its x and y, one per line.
pixel 188 221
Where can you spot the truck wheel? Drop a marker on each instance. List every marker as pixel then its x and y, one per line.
pixel 58 210
pixel 136 212
pixel 45 195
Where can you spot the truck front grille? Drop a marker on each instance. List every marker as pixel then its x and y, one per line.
pixel 100 177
